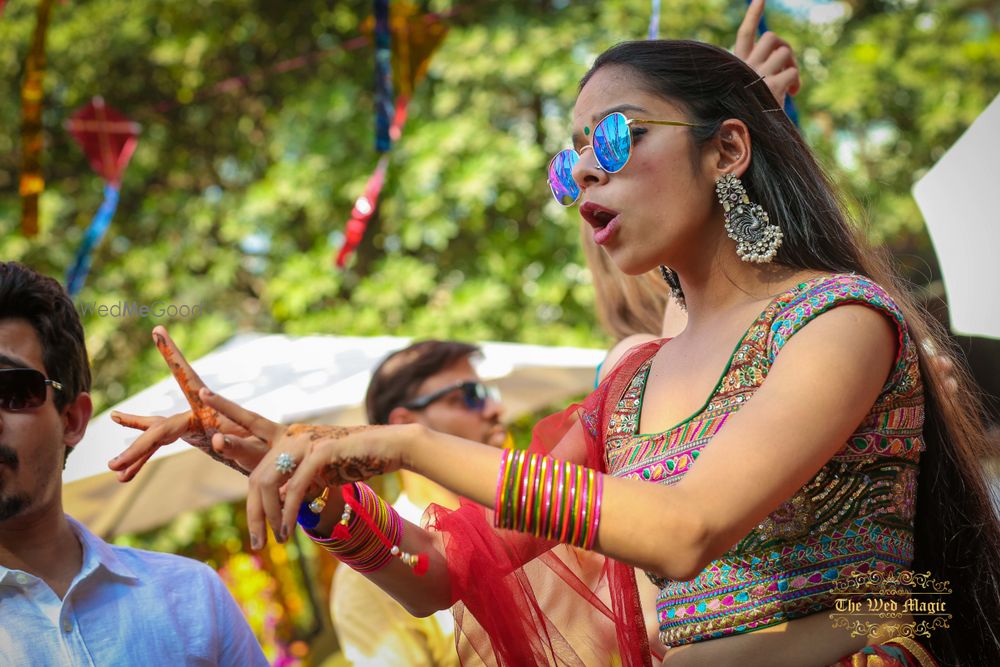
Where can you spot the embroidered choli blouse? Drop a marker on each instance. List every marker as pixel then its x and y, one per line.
pixel 855 516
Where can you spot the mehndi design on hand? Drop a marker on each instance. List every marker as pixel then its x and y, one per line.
pixel 204 421
pixel 350 468
pixel 354 469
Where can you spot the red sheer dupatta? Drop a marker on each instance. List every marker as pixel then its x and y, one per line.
pixel 526 601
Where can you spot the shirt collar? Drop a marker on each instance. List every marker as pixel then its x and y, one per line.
pixel 98 553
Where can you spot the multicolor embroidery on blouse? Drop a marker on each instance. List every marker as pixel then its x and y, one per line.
pixel 855 515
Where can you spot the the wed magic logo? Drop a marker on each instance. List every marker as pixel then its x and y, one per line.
pixel 866 602
pixel 130 309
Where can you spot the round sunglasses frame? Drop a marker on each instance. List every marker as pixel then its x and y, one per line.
pixel 575 155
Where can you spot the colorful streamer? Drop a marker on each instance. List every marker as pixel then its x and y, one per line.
pixel 415 37
pixel 108 139
pixel 365 205
pixel 383 77
pixel 362 212
pixel 32 183
pixel 77 274
pixel 654 20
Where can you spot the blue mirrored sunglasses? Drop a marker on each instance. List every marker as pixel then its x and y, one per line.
pixel 612 145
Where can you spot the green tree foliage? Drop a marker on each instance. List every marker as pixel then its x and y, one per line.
pixel 247 170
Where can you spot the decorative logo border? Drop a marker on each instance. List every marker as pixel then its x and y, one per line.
pixel 891 595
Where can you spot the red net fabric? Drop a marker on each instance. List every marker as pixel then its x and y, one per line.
pixel 526 601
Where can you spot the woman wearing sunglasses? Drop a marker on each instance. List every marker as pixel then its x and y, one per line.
pixel 752 466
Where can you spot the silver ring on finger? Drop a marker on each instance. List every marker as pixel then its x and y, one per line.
pixel 284 464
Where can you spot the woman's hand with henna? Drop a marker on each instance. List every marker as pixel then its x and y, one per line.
pixel 238 449
pixel 300 455
pixel 237 446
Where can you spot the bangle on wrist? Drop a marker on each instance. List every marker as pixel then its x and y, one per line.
pixel 548 498
pixel 369 532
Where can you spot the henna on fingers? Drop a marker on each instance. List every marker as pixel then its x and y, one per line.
pixel 204 421
pixel 187 378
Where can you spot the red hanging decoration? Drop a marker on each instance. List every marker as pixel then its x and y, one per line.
pixel 415 37
pixel 106 137
pixel 364 206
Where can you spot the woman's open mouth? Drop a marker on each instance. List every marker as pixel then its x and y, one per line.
pixel 603 220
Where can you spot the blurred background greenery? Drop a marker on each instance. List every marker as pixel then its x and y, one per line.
pixel 246 171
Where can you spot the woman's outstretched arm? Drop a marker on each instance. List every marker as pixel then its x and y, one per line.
pixel 824 382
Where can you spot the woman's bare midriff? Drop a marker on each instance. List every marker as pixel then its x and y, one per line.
pixel 804 642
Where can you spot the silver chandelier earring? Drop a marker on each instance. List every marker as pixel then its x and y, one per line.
pixel 757 239
pixel 674 283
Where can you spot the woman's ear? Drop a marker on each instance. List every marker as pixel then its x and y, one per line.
pixel 733 146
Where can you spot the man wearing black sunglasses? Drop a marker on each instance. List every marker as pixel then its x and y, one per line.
pixel 66 596
pixel 434 383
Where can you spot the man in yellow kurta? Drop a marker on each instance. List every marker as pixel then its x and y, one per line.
pixel 433 383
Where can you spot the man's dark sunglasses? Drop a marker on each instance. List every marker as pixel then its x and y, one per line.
pixel 474 395
pixel 23 388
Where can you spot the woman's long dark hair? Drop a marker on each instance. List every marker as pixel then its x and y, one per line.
pixel 957 535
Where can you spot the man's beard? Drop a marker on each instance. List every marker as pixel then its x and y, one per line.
pixel 8 456
pixel 10 506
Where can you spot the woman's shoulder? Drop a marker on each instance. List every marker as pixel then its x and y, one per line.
pixel 814 295
pixel 826 292
pixel 621 349
pixel 853 284
pixel 821 293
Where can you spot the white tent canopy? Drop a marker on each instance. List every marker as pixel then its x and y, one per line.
pixel 320 379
